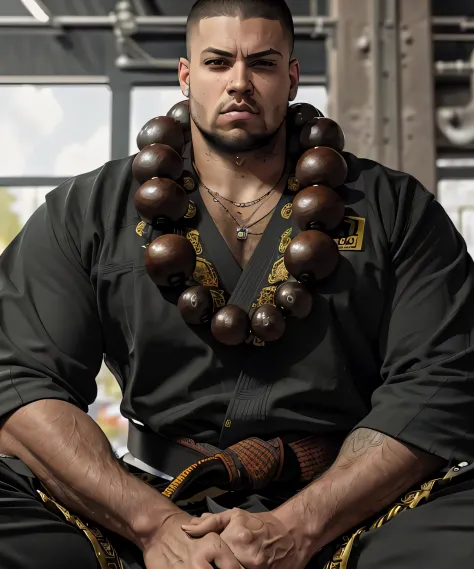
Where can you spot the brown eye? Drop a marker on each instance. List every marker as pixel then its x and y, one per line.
pixel 263 63
pixel 216 62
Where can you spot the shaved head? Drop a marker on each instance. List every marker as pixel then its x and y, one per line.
pixel 276 10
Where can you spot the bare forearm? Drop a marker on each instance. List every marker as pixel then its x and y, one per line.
pixel 371 471
pixel 71 456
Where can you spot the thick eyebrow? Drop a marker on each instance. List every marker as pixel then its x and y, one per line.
pixel 250 56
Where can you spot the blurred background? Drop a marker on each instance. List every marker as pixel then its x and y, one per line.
pixel 79 78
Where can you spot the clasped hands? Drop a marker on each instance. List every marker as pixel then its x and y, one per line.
pixel 257 540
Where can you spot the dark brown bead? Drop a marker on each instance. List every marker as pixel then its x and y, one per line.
pixel 170 260
pixel 318 207
pixel 321 165
pixel 196 305
pixel 299 113
pixel 164 130
pixel 294 299
pixel 157 161
pixel 322 132
pixel 180 112
pixel 311 256
pixel 231 325
pixel 268 323
pixel 161 198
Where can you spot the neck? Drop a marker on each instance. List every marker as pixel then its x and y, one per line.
pixel 239 176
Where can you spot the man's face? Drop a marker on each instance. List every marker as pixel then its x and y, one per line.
pixel 240 79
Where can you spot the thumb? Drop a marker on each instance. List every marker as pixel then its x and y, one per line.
pixel 214 523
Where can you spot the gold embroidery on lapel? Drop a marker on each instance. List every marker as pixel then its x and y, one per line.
pixel 353 234
pixel 293 184
pixel 286 211
pixel 191 210
pixel 140 228
pixel 205 274
pixel 285 240
pixel 188 184
pixel 218 297
pixel 193 236
pixel 267 296
pixel 279 272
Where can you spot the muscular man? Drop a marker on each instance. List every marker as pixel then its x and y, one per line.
pixel 384 359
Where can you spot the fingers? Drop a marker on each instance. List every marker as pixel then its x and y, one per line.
pixel 197 521
pixel 217 554
pixel 212 523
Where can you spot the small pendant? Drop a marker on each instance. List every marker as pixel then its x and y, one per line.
pixel 242 233
pixel 239 160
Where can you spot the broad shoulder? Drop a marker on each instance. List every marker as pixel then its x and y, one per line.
pixel 99 196
pixel 396 198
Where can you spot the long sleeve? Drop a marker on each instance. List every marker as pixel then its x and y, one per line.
pixel 50 335
pixel 427 341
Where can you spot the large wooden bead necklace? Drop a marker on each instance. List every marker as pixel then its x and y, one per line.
pixel 316 143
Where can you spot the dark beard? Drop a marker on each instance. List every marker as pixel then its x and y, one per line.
pixel 252 141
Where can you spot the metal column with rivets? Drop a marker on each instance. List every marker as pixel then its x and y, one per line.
pixel 381 83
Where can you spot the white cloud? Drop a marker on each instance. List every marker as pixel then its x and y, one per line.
pixel 38 107
pixel 29 114
pixel 14 150
pixel 77 158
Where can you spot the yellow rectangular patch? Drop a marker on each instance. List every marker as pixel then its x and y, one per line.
pixel 352 234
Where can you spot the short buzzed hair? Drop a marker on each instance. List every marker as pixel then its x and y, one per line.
pixel 244 9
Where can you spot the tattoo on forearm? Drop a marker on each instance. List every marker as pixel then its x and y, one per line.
pixel 358 443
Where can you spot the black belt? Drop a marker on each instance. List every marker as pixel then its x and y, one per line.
pixel 251 464
pixel 159 452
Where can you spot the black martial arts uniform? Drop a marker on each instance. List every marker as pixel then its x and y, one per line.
pixel 387 346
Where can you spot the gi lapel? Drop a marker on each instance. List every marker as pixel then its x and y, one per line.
pixel 257 286
pixel 217 251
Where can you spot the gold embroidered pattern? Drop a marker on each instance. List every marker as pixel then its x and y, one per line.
pixel 285 240
pixel 218 298
pixel 267 296
pixel 352 237
pixel 408 501
pixel 140 228
pixel 293 184
pixel 103 549
pixel 193 236
pixel 205 274
pixel 257 342
pixel 188 184
pixel 279 272
pixel 286 211
pixel 192 209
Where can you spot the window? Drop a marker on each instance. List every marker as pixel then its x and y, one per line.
pixel 58 130
pixel 457 198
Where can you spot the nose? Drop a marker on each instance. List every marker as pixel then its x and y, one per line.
pixel 239 81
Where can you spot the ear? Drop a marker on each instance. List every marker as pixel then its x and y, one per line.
pixel 183 75
pixel 294 79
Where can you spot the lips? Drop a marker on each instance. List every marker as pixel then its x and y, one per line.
pixel 239 109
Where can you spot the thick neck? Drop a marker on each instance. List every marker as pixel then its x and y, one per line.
pixel 240 177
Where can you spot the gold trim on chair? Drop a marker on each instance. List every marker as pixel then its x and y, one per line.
pixel 103 549
pixel 409 501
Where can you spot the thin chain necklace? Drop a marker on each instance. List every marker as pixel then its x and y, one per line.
pixel 240 204
pixel 242 231
pixel 242 226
